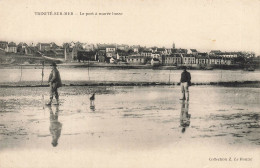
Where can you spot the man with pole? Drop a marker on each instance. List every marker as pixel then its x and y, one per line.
pixel 55 83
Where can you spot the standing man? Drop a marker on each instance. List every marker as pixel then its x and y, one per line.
pixel 185 83
pixel 55 83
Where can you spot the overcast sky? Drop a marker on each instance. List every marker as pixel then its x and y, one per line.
pixel 228 25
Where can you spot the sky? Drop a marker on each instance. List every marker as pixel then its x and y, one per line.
pixel 226 25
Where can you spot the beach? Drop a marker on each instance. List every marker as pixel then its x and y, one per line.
pixel 132 124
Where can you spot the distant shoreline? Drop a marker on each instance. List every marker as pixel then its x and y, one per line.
pixel 121 66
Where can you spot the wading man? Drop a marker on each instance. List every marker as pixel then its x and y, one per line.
pixel 55 83
pixel 185 83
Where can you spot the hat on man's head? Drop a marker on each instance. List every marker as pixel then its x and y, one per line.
pixel 53 64
pixel 184 67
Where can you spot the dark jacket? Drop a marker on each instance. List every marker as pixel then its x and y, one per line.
pixel 185 76
pixel 54 78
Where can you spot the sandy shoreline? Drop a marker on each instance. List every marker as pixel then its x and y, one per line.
pixel 212 109
pixel 130 124
pixel 253 84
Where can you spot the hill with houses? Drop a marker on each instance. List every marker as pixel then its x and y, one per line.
pixel 74 52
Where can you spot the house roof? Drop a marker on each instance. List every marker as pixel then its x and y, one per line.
pixel 102 51
pixel 135 46
pixel 22 44
pixel 215 51
pixel 11 44
pixel 180 50
pixel 203 54
pixel 136 56
pixel 188 55
pixel 193 50
pixel 123 45
pixel 155 59
pixel 45 44
pixel 122 53
pixel 215 57
pixel 3 42
pixel 110 46
pixel 173 55
pixel 201 57
pixel 160 49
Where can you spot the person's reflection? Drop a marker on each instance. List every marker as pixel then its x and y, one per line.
pixel 55 126
pixel 185 116
pixel 92 108
pixel 92 102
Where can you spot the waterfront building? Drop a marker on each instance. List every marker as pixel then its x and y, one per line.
pixel 215 60
pixel 88 47
pixel 173 59
pixel 111 54
pixel 168 51
pixel 122 47
pixel 3 45
pixel 86 55
pixel 101 55
pixel 21 47
pixel 227 61
pixel 146 53
pixel 110 48
pixel 135 48
pixel 202 58
pixel 161 51
pixel 135 59
pixel 214 52
pixel 44 46
pixel 153 49
pixel 188 59
pixel 227 54
pixel 192 51
pixel 155 62
pixel 179 51
pixel 11 47
pixel 121 55
pixel 156 55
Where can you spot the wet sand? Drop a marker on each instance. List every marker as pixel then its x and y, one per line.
pixel 129 127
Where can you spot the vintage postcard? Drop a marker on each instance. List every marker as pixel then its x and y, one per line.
pixel 130 83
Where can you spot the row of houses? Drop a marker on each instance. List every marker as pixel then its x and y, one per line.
pixel 181 59
pixel 112 53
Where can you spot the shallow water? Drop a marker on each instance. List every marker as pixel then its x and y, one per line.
pixel 126 75
pixel 131 118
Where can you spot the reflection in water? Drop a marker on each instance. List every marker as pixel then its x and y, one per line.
pixel 92 102
pixel 55 126
pixel 184 116
pixel 92 107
